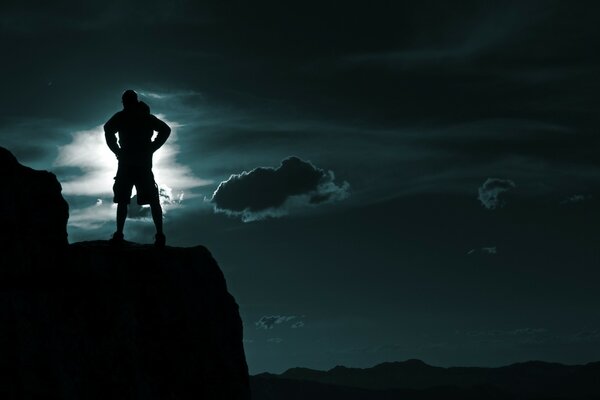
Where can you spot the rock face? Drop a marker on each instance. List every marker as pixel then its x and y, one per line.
pixel 33 216
pixel 94 321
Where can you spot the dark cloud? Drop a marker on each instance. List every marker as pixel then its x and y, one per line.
pixel 271 192
pixel 490 191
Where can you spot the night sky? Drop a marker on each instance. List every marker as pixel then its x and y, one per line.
pixel 378 182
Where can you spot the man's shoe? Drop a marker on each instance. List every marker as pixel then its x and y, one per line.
pixel 117 238
pixel 160 240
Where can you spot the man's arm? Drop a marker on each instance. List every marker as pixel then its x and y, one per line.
pixel 163 132
pixel 110 134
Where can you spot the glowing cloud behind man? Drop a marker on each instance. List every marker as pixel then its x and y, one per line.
pixel 97 167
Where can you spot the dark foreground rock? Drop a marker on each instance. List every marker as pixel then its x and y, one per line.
pixel 95 321
pixel 123 323
pixel 265 387
pixel 33 217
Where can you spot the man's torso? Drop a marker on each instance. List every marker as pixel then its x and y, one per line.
pixel 135 138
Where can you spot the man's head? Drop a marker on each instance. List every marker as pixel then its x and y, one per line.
pixel 130 99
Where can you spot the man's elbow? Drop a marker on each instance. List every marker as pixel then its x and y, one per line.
pixel 165 132
pixel 110 138
pixel 108 130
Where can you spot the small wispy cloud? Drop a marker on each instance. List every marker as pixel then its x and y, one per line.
pixel 587 335
pixel 576 198
pixel 490 250
pixel 168 95
pixel 269 321
pixel 490 191
pixel 152 95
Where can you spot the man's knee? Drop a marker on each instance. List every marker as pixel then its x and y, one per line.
pixel 122 206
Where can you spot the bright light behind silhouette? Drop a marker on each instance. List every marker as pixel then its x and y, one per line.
pixel 97 167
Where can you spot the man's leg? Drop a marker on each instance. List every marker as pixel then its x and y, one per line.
pixel 121 216
pixel 159 239
pixel 157 215
pixel 122 194
pixel 148 194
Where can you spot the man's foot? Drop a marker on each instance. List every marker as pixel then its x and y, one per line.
pixel 160 240
pixel 117 238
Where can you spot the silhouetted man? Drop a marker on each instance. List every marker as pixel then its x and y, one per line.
pixel 134 150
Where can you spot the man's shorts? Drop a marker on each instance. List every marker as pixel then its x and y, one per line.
pixel 141 178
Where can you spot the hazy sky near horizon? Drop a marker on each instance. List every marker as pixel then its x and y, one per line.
pixel 399 179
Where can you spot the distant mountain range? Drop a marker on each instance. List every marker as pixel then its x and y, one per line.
pixel 413 379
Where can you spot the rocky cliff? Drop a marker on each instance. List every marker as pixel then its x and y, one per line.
pixel 33 218
pixel 94 321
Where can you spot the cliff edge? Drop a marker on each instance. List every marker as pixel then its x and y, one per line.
pixel 94 321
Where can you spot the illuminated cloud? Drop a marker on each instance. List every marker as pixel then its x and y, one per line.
pixel 490 191
pixel 91 217
pixel 272 192
pixel 166 198
pixel 97 166
pixel 170 96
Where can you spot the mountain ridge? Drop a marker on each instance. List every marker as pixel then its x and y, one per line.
pixel 529 378
pixel 416 361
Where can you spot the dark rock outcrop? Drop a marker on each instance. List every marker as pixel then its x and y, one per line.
pixel 94 321
pixel 269 387
pixel 33 217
